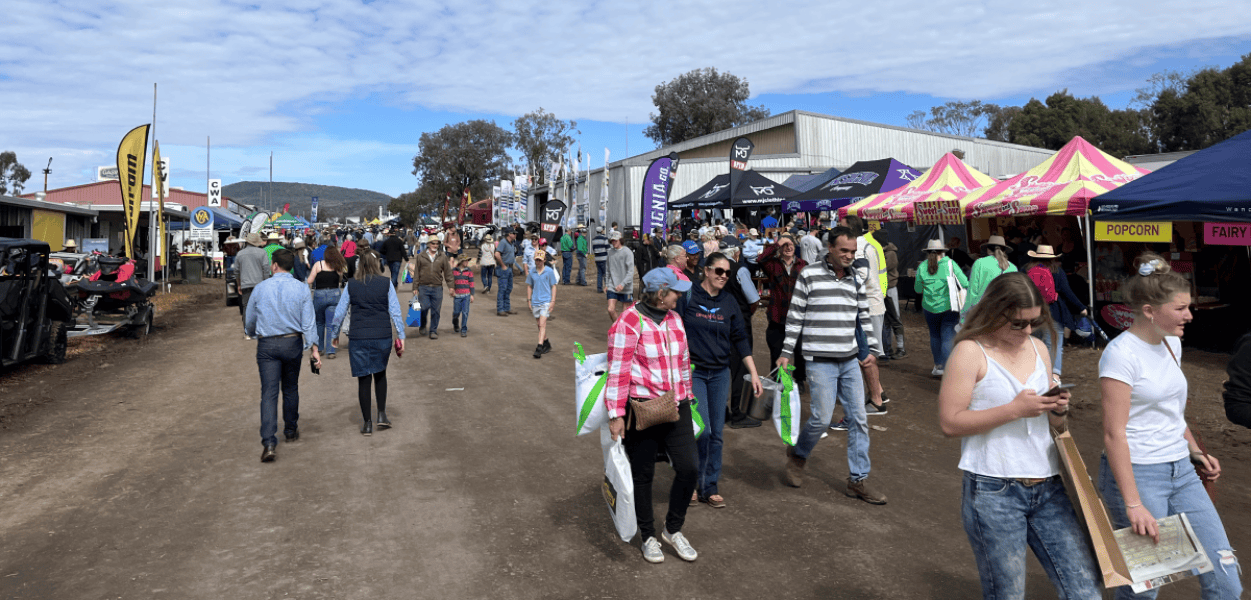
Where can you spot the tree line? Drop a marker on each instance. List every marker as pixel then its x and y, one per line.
pixel 1175 111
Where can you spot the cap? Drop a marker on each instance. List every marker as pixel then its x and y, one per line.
pixel 616 235
pixel 753 231
pixel 691 247
pixel 664 278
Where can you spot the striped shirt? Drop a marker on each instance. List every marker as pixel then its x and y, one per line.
pixel 599 247
pixel 646 360
pixel 462 282
pixel 825 308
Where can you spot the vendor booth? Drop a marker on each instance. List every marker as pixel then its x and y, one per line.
pixel 1196 212
pixel 948 180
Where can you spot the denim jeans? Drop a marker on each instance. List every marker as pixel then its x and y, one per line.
pixel 279 360
pixel 503 293
pixel 581 269
pixel 1167 489
pixel 1056 352
pixel 841 379
pixel 601 269
pixel 1003 516
pixel 431 298
pixel 487 272
pixel 566 265
pixel 942 333
pixel 460 313
pixel 323 299
pixel 712 388
pixel 395 273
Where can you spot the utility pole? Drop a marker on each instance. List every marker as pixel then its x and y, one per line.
pixel 47 171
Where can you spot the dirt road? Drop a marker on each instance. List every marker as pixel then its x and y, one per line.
pixel 134 472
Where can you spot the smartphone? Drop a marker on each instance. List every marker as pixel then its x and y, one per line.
pixel 312 365
pixel 1055 391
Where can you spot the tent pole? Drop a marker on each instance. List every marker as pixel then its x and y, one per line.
pixel 1090 265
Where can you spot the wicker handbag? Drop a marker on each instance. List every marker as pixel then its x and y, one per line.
pixel 653 411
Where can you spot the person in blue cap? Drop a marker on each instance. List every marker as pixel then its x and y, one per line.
pixel 694 254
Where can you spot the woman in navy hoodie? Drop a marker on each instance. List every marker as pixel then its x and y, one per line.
pixel 714 329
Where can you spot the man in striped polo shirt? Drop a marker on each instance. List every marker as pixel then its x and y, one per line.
pixel 827 303
pixel 599 247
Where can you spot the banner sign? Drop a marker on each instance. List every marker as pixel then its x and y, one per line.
pixel 202 224
pixel 550 219
pixel 215 195
pixel 938 212
pixel 740 153
pixel 1133 231
pixel 131 154
pixel 1227 234
pixel 313 209
pixel 657 184
pixel 521 193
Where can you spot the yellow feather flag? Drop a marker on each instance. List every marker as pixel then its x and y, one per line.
pixel 158 190
pixel 131 154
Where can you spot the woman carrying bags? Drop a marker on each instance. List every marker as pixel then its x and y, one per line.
pixel 1045 272
pixel 648 359
pixel 715 329
pixel 986 269
pixel 327 279
pixel 375 308
pixel 1148 469
pixel 938 279
pixel 1013 498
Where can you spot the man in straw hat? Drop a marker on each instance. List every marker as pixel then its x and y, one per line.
pixel 254 268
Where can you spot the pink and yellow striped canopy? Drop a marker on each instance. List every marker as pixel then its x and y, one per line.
pixel 948 179
pixel 1061 185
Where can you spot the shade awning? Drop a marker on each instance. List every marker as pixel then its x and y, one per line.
pixel 948 179
pixel 860 180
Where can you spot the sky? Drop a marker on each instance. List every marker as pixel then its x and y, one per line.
pixel 340 91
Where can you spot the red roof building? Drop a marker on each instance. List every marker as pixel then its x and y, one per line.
pixel 109 192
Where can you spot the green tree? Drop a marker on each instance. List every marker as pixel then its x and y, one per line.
pixel 472 154
pixel 698 103
pixel 13 175
pixel 997 122
pixel 411 205
pixel 541 138
pixel 958 117
pixel 1053 124
pixel 1215 106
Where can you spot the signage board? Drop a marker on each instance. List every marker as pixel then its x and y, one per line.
pixel 1227 234
pixel 201 225
pixel 1133 231
pixel 938 212
pixel 215 193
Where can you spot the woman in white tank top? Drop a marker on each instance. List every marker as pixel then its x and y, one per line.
pixel 1013 497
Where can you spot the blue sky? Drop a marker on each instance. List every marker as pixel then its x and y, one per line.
pixel 341 90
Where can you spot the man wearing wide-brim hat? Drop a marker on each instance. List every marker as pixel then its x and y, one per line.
pixel 985 269
pixel 1053 284
pixel 253 268
pixel 274 242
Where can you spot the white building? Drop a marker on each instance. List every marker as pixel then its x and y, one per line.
pixel 793 143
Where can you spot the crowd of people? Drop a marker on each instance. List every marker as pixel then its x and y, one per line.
pixel 686 343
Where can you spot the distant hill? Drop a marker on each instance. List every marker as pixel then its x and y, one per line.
pixel 331 200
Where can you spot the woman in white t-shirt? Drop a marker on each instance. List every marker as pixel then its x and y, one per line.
pixel 1148 468
pixel 1013 497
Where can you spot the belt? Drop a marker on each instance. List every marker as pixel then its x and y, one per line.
pixel 285 335
pixel 1033 482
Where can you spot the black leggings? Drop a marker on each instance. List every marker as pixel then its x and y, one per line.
pixel 641 447
pixel 380 390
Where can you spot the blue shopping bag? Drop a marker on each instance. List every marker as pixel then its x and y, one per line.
pixel 414 314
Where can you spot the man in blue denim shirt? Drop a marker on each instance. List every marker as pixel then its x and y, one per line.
pixel 279 313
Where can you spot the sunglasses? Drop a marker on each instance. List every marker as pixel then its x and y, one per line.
pixel 719 272
pixel 1019 324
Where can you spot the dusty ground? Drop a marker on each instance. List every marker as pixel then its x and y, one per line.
pixel 132 471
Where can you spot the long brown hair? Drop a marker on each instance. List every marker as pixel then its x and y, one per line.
pixel 932 261
pixel 334 259
pixel 368 266
pixel 997 252
pixel 1005 295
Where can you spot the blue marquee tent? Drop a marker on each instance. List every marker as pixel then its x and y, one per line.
pixel 222 221
pixel 1213 184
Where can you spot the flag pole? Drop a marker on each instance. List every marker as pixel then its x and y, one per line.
pixel 156 169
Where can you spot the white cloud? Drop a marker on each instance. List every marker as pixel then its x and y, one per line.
pixel 75 75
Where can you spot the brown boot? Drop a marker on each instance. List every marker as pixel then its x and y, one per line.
pixel 794 469
pixel 860 489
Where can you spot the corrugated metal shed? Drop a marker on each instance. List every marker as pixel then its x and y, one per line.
pixel 800 143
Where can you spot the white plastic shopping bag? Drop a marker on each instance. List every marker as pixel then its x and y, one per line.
pixel 618 486
pixel 590 389
pixel 786 408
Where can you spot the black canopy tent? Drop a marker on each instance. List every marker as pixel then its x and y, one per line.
pixel 753 190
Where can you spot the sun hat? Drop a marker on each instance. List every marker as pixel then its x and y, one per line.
pixel 254 238
pixel 935 246
pixel 488 238
pixel 691 247
pixel 273 235
pixel 616 235
pixel 70 243
pixel 996 240
pixel 662 278
pixel 298 243
pixel 1044 251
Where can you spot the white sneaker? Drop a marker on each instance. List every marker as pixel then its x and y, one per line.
pixel 679 543
pixel 651 551
pixel 937 372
